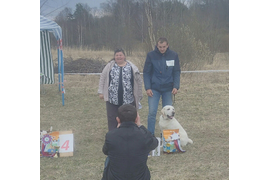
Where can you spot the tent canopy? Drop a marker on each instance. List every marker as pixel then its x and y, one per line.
pixel 47 25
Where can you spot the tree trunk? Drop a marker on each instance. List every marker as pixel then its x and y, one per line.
pixel 148 12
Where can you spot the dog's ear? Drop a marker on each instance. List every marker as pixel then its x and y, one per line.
pixel 162 111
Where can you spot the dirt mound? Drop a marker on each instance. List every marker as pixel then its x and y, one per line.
pixel 82 66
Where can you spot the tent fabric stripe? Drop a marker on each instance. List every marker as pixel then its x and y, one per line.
pixel 46 62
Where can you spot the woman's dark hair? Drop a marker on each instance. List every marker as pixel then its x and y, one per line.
pixel 119 50
pixel 127 112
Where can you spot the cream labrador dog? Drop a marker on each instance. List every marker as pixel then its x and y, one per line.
pixel 167 121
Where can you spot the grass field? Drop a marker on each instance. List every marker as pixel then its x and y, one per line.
pixel 202 108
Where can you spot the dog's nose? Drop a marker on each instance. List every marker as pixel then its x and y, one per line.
pixel 173 113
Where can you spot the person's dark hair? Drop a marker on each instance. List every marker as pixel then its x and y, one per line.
pixel 119 50
pixel 127 112
pixel 162 40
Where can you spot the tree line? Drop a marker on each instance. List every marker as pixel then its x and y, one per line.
pixel 197 29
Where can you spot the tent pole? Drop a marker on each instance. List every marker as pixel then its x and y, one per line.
pixel 59 65
pixel 62 66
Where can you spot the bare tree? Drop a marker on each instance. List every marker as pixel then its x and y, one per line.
pixel 148 12
pixel 44 3
pixel 198 26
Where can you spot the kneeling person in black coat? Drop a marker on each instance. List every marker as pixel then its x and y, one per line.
pixel 128 147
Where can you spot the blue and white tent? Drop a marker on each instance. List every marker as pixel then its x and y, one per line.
pixel 46 63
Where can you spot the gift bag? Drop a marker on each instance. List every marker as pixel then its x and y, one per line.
pixel 171 141
pixel 56 144
pixel 49 144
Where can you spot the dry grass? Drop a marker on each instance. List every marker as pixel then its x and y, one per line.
pixel 84 53
pixel 221 60
pixel 137 58
pixel 202 107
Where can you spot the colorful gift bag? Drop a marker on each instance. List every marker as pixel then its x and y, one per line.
pixel 49 144
pixel 171 141
pixel 56 144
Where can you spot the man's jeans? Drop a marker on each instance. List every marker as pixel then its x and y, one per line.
pixel 153 106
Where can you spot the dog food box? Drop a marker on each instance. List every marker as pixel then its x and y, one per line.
pixel 168 140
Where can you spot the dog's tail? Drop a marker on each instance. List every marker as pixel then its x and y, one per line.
pixel 190 141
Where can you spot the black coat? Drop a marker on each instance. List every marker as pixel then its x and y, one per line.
pixel 127 148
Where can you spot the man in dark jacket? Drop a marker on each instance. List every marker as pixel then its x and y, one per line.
pixel 161 76
pixel 128 147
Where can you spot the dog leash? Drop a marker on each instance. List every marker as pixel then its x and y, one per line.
pixel 173 98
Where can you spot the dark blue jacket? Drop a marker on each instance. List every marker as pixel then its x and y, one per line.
pixel 161 71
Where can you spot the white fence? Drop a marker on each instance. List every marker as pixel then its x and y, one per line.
pixel 198 71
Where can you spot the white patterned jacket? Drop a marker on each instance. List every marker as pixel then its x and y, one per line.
pixel 104 82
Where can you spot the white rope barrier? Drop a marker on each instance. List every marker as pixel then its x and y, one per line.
pixel 198 71
pixel 204 71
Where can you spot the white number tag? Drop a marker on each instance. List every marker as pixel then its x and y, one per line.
pixel 66 143
pixel 170 62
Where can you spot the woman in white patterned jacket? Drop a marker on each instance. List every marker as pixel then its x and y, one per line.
pixel 120 83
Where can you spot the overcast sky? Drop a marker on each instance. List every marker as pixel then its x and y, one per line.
pixel 51 5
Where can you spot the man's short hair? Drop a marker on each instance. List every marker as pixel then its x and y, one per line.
pixel 127 112
pixel 162 40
